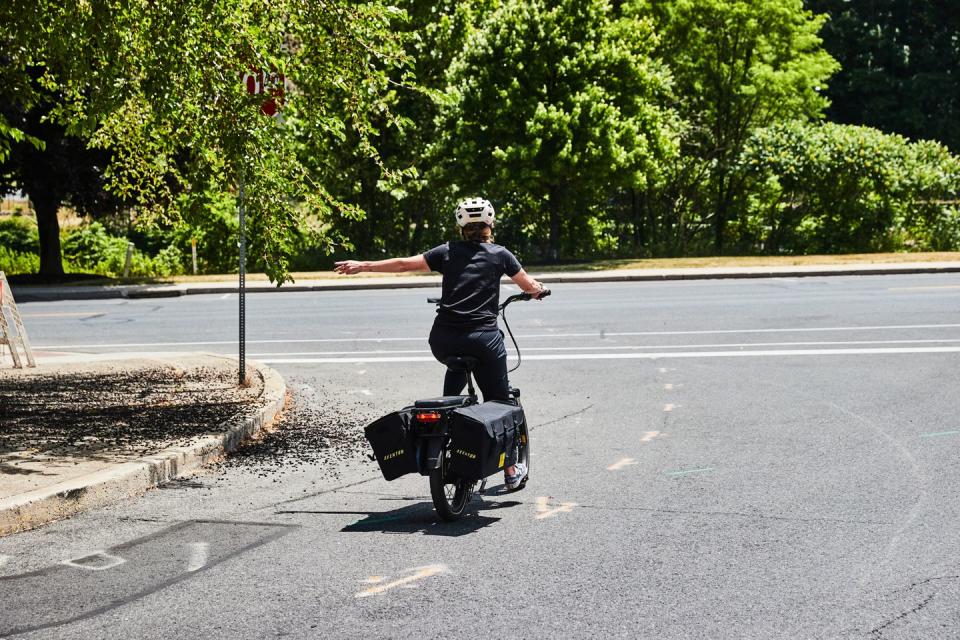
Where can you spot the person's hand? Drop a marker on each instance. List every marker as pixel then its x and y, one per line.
pixel 539 292
pixel 348 267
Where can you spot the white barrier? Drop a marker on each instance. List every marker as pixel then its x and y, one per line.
pixel 9 315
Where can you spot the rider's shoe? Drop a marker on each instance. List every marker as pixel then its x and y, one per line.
pixel 518 479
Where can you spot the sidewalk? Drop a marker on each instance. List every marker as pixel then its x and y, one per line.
pixel 345 283
pixel 81 431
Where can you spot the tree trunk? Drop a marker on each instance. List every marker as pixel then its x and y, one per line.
pixel 554 225
pixel 48 228
pixel 720 217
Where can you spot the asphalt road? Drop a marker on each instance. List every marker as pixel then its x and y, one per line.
pixel 712 459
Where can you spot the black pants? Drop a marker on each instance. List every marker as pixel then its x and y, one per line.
pixel 487 346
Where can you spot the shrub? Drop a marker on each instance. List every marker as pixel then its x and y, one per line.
pixel 12 261
pixel 831 188
pixel 19 234
pixel 93 249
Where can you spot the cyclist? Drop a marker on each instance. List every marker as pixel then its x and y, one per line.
pixel 466 322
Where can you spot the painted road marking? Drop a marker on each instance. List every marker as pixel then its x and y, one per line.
pixel 939 433
pixel 621 463
pixel 689 471
pixel 649 435
pixel 643 356
pixel 91 563
pixel 551 336
pixel 419 574
pixel 3 559
pixel 670 407
pixel 620 347
pixel 670 386
pixel 624 347
pixel 63 314
pixel 926 288
pixel 544 510
pixel 199 552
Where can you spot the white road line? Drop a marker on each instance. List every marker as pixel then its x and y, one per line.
pixel 649 435
pixel 644 356
pixel 199 552
pixel 623 347
pixel 551 336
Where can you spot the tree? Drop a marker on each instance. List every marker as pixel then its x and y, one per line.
pixel 738 65
pixel 60 171
pixel 899 66
pixel 553 106
pixel 404 215
pixel 159 85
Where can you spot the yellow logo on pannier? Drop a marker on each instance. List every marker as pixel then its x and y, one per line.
pixel 502 457
pixel 391 456
pixel 466 454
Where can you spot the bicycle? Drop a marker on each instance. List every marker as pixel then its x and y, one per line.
pixel 450 492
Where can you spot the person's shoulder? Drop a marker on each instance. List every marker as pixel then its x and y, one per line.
pixel 500 249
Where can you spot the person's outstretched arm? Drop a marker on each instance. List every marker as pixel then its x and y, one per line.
pixel 527 283
pixel 391 265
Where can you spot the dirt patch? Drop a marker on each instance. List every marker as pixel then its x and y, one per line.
pixel 317 428
pixel 138 412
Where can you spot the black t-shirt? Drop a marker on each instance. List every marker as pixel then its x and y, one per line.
pixel 471 281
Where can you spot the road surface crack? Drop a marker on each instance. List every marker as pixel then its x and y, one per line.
pixel 878 632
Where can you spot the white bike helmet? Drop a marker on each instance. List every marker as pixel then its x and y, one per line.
pixel 474 210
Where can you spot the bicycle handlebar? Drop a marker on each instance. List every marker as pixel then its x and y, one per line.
pixel 514 298
pixel 524 296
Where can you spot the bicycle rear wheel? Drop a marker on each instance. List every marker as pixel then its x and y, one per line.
pixel 523 450
pixel 450 495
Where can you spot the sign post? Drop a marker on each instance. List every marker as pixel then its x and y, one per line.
pixel 243 288
pixel 273 86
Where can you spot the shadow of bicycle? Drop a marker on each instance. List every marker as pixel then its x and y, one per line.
pixel 421 518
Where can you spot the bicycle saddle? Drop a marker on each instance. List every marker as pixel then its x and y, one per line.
pixel 461 363
pixel 443 402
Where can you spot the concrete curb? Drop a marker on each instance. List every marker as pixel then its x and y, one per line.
pixel 101 488
pixel 28 294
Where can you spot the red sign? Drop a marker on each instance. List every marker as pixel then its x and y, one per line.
pixel 270 84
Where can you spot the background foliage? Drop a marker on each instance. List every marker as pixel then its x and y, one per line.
pixel 599 128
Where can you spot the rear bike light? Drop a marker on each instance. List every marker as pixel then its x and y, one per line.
pixel 429 416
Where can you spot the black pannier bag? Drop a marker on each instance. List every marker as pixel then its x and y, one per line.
pixel 394 443
pixel 482 438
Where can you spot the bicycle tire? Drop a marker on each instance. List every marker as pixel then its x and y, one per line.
pixel 523 450
pixel 449 498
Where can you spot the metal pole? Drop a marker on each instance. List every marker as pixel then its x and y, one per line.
pixel 243 288
pixel 126 263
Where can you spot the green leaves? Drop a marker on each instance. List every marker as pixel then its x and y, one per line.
pixel 160 85
pixel 557 101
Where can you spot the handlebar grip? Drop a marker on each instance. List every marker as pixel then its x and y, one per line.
pixel 544 293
